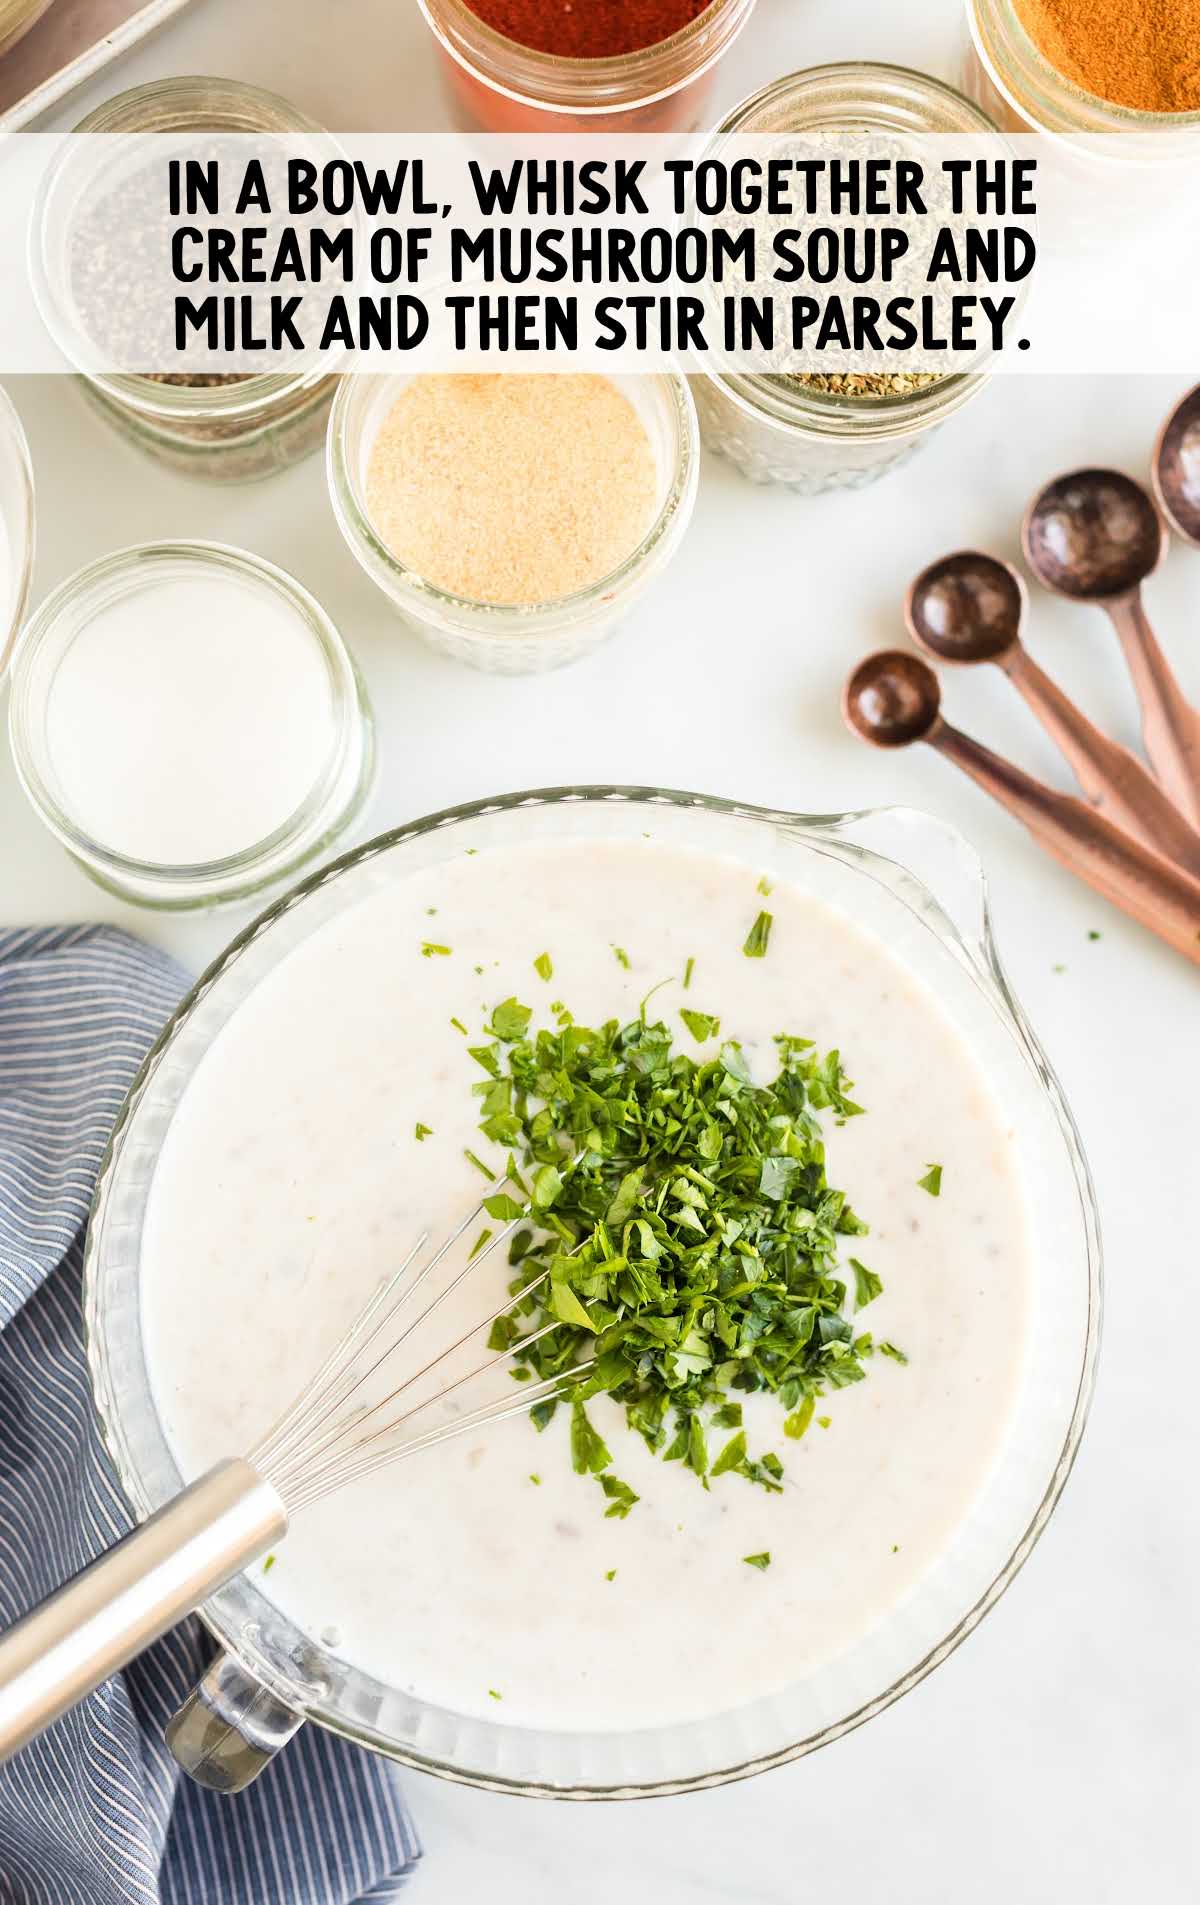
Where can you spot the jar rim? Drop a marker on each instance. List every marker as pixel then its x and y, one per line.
pixel 398 578
pixel 871 76
pixel 586 88
pixel 131 567
pixel 187 90
pixel 1055 104
pixel 229 403
pixel 784 406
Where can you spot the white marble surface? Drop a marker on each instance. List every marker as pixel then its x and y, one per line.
pixel 1055 1757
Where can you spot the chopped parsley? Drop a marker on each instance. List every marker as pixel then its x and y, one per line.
pixel 760 1561
pixel 430 951
pixel 481 1166
pixel 620 1496
pixel 1093 934
pixel 269 1563
pixel 688 970
pixel 493 1695
pixel 543 965
pixel 685 1232
pixel 621 956
pixel 932 1181
pixel 460 1027
pixel 510 1021
pixel 758 936
pixel 611 1575
pixel 423 1131
pixel 795 1424
pixel 866 1284
pixel 484 1237
pixel 588 1451
pixel 701 1025
pixel 764 887
pixel 536 1480
pixel 732 1455
pixel 889 1349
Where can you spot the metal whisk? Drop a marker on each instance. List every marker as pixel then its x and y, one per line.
pixel 336 1431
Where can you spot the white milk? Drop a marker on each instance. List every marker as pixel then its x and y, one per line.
pixel 189 719
pixel 291 1181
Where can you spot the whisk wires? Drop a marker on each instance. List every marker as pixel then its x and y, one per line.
pixel 330 1437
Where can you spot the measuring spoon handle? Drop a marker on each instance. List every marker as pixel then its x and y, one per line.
pixel 1113 779
pixel 1160 896
pixel 1170 724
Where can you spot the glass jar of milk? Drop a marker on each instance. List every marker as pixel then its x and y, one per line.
pixel 234 427
pixel 188 722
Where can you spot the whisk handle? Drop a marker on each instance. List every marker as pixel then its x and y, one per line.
pixel 116 1607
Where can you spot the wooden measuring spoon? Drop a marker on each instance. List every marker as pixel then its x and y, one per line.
pixel 1175 468
pixel 1094 536
pixel 893 699
pixel 969 607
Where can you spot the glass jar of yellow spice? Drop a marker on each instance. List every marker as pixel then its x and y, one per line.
pixel 1080 67
pixel 814 433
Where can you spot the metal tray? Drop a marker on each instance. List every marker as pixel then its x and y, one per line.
pixel 71 43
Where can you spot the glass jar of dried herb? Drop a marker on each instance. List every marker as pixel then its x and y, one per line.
pixel 817 432
pixel 235 426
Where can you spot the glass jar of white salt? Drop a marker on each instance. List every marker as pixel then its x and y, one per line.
pixel 187 721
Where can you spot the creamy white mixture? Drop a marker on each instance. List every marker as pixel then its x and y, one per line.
pixel 189 719
pixel 292 1179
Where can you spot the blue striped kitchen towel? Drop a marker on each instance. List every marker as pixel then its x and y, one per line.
pixel 96 1812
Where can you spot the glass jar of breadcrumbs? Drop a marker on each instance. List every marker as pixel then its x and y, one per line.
pixel 782 430
pixel 234 427
pixel 494 84
pixel 526 637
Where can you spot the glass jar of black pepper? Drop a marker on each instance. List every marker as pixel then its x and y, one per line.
pixel 233 427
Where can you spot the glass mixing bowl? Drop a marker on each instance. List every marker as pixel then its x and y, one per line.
pixel 915 883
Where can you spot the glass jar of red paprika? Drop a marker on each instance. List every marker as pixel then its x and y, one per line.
pixel 498 84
